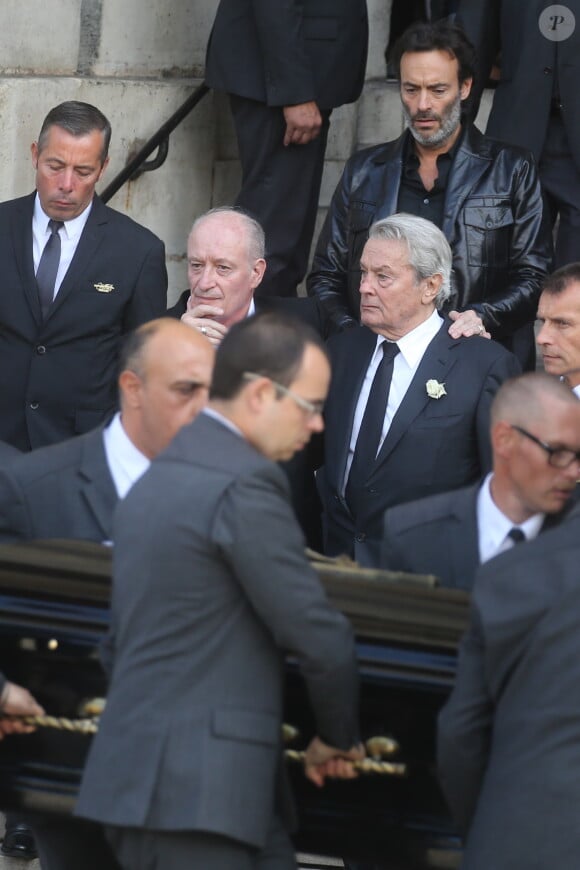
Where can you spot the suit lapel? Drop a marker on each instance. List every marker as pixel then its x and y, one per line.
pixel 437 360
pixel 88 245
pixel 348 377
pixel 22 242
pixel 97 485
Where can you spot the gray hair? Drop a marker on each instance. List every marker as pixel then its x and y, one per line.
pixel 429 251
pixel 254 232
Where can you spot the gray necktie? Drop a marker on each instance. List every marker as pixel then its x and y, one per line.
pixel 48 267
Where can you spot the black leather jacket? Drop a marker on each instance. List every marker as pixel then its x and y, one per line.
pixel 493 219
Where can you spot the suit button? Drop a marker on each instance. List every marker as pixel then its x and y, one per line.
pixel 41 349
pixel 360 538
pixel 33 406
pixel 547 70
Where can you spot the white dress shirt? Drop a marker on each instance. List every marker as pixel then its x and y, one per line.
pixel 125 462
pixel 494 527
pixel 412 347
pixel 69 234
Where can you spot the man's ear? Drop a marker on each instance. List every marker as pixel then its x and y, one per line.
pixel 431 287
pixel 34 154
pixel 257 392
pixel 103 167
pixel 465 88
pixel 502 439
pixel 258 270
pixel 130 388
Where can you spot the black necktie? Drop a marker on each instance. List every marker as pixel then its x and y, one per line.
pixel 517 536
pixel 371 427
pixel 48 267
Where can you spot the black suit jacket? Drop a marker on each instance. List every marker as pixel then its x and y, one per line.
pixel 439 535
pixel 58 376
pixel 289 52
pixel 529 63
pixel 433 445
pixel 61 491
pixel 509 737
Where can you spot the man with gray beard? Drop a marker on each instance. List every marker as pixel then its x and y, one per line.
pixel 485 196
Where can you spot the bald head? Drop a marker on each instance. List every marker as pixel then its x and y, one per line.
pixel 533 419
pixel 523 400
pixel 166 370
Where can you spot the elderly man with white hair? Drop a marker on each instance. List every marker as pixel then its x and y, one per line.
pixel 407 414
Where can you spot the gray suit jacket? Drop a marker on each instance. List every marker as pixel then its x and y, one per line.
pixel 509 737
pixel 62 491
pixel 210 588
pixel 434 535
pixel 439 535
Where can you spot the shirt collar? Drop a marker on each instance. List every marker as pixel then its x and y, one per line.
pixel 494 526
pixel 413 345
pixel 225 421
pixel 72 229
pixel 126 462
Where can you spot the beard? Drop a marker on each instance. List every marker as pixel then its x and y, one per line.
pixel 449 122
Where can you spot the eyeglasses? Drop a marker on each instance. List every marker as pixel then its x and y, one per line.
pixel 312 409
pixel 559 457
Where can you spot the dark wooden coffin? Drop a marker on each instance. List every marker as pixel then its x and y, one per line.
pixel 54 610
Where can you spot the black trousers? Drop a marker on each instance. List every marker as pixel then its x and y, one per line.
pixel 560 178
pixel 139 849
pixel 280 188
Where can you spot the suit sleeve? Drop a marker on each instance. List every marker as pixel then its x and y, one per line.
pixel 515 302
pixel 149 298
pixel 327 280
pixel 505 366
pixel 15 523
pixel 481 22
pixel 464 729
pixel 287 67
pixel 255 529
pixel 392 553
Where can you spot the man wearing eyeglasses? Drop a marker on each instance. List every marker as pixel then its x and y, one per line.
pixel 211 587
pixel 535 438
pixel 559 316
pixel 508 746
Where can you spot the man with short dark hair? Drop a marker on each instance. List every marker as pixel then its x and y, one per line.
pixel 535 441
pixel 76 276
pixel 408 409
pixel 559 315
pixel 483 194
pixel 188 772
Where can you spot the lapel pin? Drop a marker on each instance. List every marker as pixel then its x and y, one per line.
pixel 435 390
pixel 104 288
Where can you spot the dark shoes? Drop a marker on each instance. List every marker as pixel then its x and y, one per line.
pixel 18 842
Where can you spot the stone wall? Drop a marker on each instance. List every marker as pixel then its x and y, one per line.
pixel 138 60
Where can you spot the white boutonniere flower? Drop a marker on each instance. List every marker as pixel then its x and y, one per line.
pixel 435 390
